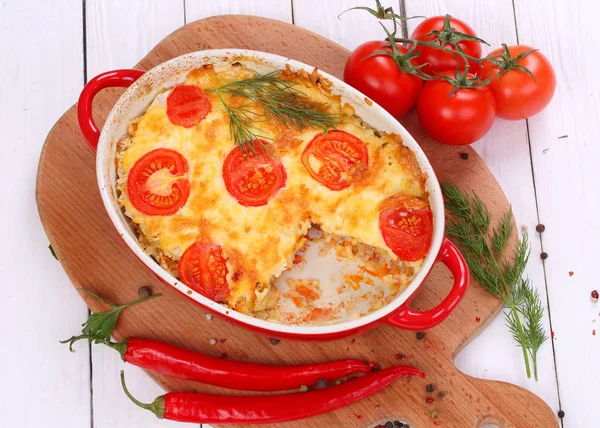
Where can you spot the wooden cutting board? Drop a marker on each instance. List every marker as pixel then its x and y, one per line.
pixel 96 259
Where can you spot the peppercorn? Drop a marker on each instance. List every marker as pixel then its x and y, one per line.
pixel 398 424
pixel 399 356
pixel 429 400
pixel 544 255
pixel 540 228
pixel 434 413
pixel 429 388
pixel 144 291
pixel 274 341
pixel 209 317
pixel 389 425
pixel 321 384
pixel 420 335
pixel 441 394
pixel 213 341
pixel 303 388
pixel 561 414
pixel 595 296
pixel 464 156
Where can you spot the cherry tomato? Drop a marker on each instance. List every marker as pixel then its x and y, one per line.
pixel 439 60
pixel 202 268
pixel 381 79
pixel 517 94
pixel 462 118
pixel 187 105
pixel 336 159
pixel 157 183
pixel 406 224
pixel 252 178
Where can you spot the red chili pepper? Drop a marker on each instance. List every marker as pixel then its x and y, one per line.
pixel 204 408
pixel 169 360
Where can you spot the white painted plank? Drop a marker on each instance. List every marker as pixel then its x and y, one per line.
pixel 274 9
pixel 119 34
pixel 41 73
pixel 494 355
pixel 567 177
pixel 350 30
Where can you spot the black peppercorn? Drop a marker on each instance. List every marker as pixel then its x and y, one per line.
pixel 429 388
pixel 464 156
pixel 144 291
pixel 274 341
pixel 420 335
pixel 389 425
pixel 441 394
pixel 540 228
pixel 321 384
pixel 544 255
pixel 398 424
pixel 561 414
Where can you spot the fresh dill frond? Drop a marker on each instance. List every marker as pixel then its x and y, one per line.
pixel 270 98
pixel 499 274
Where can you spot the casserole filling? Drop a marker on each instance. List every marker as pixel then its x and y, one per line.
pixel 230 221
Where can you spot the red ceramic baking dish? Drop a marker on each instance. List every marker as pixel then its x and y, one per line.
pixel 143 87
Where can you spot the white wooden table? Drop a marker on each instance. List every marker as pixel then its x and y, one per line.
pixel 48 50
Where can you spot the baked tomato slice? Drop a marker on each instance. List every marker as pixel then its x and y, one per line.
pixel 187 105
pixel 202 268
pixel 336 159
pixel 252 177
pixel 406 224
pixel 158 184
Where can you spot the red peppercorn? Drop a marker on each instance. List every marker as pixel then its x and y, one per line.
pixel 477 319
pixel 429 400
pixel 595 294
pixel 571 273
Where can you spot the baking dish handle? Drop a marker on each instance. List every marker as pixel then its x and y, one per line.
pixel 110 79
pixel 410 319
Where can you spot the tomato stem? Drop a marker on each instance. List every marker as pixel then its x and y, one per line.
pixel 506 62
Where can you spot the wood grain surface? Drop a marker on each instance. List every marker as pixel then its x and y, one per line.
pixel 95 258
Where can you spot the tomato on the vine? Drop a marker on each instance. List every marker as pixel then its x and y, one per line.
pixel 388 82
pixel 456 116
pixel 522 81
pixel 447 32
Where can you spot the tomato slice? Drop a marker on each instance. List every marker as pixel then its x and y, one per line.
pixel 406 224
pixel 158 184
pixel 336 159
pixel 253 177
pixel 187 105
pixel 202 268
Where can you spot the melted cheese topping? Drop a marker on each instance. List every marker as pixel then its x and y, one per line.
pixel 260 242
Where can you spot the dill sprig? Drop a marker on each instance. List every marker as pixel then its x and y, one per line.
pixel 499 274
pixel 270 97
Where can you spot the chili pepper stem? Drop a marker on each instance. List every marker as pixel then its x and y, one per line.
pixel 157 406
pixel 120 347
